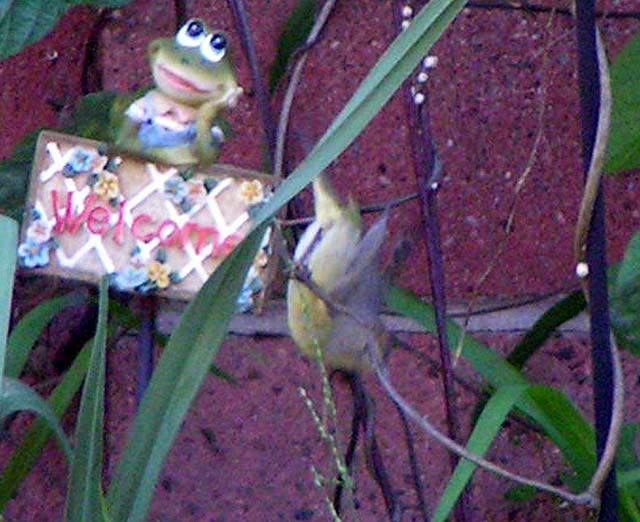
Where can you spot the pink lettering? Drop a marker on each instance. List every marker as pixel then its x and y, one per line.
pixel 119 228
pixel 173 236
pixel 69 221
pixel 201 231
pixel 98 220
pixel 146 218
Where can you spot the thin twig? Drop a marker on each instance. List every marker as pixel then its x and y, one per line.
pixel 533 8
pixel 418 483
pixel 586 498
pixel 428 171
pixel 246 38
pixel 520 184
pixel 367 209
pixel 590 252
pixel 287 102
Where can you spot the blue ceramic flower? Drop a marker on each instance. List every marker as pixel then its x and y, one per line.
pixel 81 161
pixel 32 254
pixel 175 189
pixel 245 300
pixel 130 278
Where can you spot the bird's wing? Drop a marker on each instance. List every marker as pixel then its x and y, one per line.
pixel 361 281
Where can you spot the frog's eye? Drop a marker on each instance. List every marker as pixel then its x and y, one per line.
pixel 214 47
pixel 191 34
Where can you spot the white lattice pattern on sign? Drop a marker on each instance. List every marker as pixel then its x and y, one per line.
pixel 156 186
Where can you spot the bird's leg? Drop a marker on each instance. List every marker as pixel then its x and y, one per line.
pixel 418 485
pixel 356 421
pixel 373 457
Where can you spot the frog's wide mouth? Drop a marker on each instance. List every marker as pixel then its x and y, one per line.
pixel 177 81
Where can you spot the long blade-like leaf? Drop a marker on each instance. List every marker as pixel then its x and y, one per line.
pixel 25 455
pixel 623 151
pixel 383 80
pixel 558 417
pixel 485 430
pixel 85 491
pixel 546 325
pixel 17 396
pixel 8 245
pixel 181 369
pixel 294 34
pixel 26 332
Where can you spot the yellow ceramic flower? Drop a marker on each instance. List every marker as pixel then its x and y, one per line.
pixel 107 186
pixel 158 273
pixel 252 192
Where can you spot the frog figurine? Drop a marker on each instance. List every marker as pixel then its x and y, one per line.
pixel 179 121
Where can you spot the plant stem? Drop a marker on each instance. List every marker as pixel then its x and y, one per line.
pixel 249 48
pixel 428 170
pixel 91 74
pixel 602 356
pixel 145 344
pixel 533 8
pixel 283 121
pixel 180 8
pixel 585 498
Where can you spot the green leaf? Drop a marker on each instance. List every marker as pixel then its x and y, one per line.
pixel 26 454
pixel 629 477
pixel 548 407
pixel 485 430
pixel 26 332
pixel 180 371
pixel 558 314
pixel 552 410
pixel 8 253
pixel 14 176
pixel 91 117
pixel 520 493
pixel 84 491
pixel 294 35
pixel 23 22
pixel 630 267
pixel 625 299
pixel 623 151
pixel 17 396
pixel 398 61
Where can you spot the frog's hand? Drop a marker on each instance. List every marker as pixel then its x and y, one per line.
pixel 210 134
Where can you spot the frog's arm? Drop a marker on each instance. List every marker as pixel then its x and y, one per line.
pixel 209 135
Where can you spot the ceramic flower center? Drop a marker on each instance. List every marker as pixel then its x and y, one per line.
pixel 107 186
pixel 159 274
pixel 252 192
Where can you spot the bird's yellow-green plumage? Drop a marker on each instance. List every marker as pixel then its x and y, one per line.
pixel 332 250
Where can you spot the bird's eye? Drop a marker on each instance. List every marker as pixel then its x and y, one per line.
pixel 191 34
pixel 214 47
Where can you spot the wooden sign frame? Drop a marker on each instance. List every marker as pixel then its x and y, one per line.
pixel 151 227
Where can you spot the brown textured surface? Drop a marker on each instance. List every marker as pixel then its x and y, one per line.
pixel 245 450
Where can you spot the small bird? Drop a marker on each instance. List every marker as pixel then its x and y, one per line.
pixel 344 266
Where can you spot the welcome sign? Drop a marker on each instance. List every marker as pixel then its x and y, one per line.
pixel 150 227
